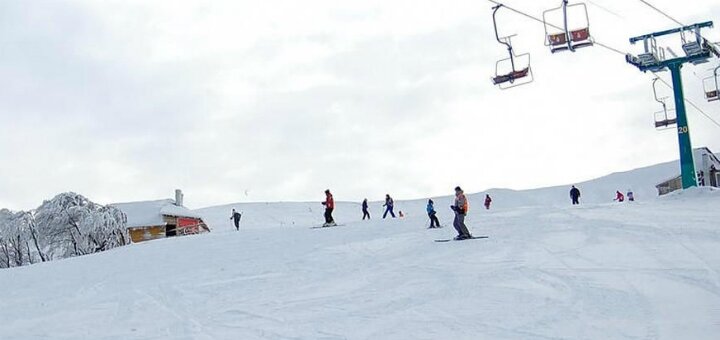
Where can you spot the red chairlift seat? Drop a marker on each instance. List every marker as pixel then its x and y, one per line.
pixel 512 76
pixel 559 37
pixel 507 70
pixel 581 38
pixel 557 42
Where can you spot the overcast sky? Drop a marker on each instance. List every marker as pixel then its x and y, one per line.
pixel 236 101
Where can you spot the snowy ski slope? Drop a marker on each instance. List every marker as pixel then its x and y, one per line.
pixel 644 270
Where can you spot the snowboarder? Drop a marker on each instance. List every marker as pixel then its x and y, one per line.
pixel 619 196
pixel 488 200
pixel 388 206
pixel 434 222
pixel 329 207
pixel 461 209
pixel 236 218
pixel 575 195
pixel 365 209
pixel 630 196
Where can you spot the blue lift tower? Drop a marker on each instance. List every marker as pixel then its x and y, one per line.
pixel 697 51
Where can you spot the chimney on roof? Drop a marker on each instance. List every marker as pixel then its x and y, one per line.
pixel 178 197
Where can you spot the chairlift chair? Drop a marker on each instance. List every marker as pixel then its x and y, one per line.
pixel 565 38
pixel 710 86
pixel 693 47
pixel 664 119
pixel 507 74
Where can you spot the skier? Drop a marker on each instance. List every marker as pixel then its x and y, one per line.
pixel 365 209
pixel 434 222
pixel 488 200
pixel 236 218
pixel 619 196
pixel 630 196
pixel 388 206
pixel 461 209
pixel 575 195
pixel 329 207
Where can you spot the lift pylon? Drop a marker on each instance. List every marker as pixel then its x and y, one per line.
pixel 696 51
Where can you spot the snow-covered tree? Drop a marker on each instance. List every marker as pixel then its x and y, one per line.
pixel 65 226
pixel 71 225
pixel 15 248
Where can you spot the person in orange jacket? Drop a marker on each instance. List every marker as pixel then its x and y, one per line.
pixel 329 207
pixel 460 207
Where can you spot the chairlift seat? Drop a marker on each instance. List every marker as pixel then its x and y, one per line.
pixel 558 42
pixel 712 95
pixel 647 59
pixel 580 35
pixel 692 48
pixel 665 123
pixel 557 39
pixel 581 38
pixel 510 77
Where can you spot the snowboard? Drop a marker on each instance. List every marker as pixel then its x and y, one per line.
pixel 452 239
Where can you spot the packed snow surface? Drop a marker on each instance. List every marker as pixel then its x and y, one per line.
pixel 642 270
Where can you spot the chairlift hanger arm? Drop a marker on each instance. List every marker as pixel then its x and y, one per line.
pixel 633 40
pixel 715 72
pixel 497 36
pixel 565 23
pixel 655 94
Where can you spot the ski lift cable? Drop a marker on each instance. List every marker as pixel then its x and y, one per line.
pixel 554 26
pixel 606 10
pixel 613 50
pixel 663 13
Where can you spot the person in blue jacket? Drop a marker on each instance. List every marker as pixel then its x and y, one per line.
pixel 389 205
pixel 434 222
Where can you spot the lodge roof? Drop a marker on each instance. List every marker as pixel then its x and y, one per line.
pixel 151 213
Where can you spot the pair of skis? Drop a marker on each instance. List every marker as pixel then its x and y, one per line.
pixel 452 239
pixel 327 226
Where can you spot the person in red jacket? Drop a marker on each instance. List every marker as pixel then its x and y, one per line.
pixel 329 207
pixel 619 196
pixel 488 200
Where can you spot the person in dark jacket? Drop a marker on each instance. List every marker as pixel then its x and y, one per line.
pixel 389 204
pixel 460 207
pixel 329 207
pixel 575 195
pixel 488 200
pixel 365 211
pixel 236 218
pixel 434 222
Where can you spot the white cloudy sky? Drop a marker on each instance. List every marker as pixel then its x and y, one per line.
pixel 128 100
